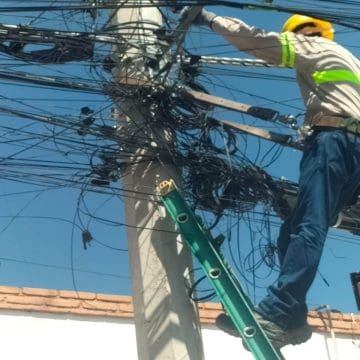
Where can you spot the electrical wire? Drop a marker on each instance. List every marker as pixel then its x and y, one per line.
pixel 76 131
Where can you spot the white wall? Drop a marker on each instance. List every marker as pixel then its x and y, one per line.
pixel 218 345
pixel 58 337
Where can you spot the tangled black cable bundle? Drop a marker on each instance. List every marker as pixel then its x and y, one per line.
pixel 216 185
pixel 91 152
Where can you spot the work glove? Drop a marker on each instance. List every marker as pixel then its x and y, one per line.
pixel 204 18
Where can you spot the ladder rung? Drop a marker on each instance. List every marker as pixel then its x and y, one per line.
pixel 235 301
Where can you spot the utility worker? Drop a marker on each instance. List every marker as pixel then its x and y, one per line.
pixel 329 78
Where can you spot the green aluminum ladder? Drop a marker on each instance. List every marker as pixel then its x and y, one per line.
pixel 236 303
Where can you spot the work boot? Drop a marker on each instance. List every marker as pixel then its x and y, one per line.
pixel 225 323
pixel 278 336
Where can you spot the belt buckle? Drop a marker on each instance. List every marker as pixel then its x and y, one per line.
pixel 352 125
pixel 344 123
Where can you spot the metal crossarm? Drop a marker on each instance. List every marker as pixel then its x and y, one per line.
pixel 235 301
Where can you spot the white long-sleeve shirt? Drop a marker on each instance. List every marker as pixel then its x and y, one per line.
pixel 328 74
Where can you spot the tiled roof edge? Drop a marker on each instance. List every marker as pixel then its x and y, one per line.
pixel 119 306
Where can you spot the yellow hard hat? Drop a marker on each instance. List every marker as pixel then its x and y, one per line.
pixel 296 22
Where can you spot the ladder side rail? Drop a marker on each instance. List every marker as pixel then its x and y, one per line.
pixel 235 301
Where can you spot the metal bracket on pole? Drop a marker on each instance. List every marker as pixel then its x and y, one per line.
pixel 235 301
pixel 262 113
pixel 282 139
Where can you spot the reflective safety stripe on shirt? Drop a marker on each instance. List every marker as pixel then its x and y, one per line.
pixel 287 50
pixel 321 77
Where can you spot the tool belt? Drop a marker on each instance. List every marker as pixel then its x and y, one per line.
pixel 348 124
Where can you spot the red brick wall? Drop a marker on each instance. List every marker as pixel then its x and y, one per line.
pixel 92 304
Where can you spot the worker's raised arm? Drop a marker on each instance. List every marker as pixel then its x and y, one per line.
pixel 269 46
pixel 275 48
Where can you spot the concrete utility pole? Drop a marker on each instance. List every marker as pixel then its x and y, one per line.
pixel 166 320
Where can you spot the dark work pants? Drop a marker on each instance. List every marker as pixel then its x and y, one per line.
pixel 329 177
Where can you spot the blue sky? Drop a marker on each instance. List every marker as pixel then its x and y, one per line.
pixel 40 242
